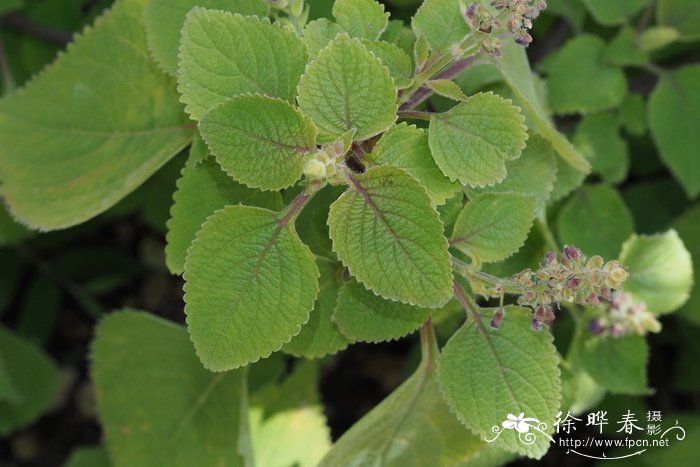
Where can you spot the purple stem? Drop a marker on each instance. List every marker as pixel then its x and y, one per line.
pixel 451 72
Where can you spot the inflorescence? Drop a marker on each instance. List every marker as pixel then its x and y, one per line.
pixel 513 16
pixel 623 317
pixel 572 278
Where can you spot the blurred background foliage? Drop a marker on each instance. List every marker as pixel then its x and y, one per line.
pixel 612 72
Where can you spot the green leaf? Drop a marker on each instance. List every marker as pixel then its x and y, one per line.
pixel 157 404
pixel 625 49
pixel 688 227
pixel 364 19
pixel 597 137
pixel 9 5
pixel 70 154
pixel 223 55
pixel 596 220
pixel 611 13
pixel 40 310
pixel 673 107
pixel 619 365
pixel 396 60
pixel 654 203
pixel 682 15
pixel 633 115
pixel 473 141
pixel 657 37
pixel 396 432
pixel 320 336
pixel 407 148
pixel 289 417
pixel 660 268
pixel 88 457
pixel 31 374
pixel 164 20
pixel 311 224
pixel 203 189
pixel 347 87
pixel 9 393
pixel 604 85
pixel 246 265
pixel 364 317
pixel 400 34
pixel 493 226
pixel 538 163
pixel 450 210
pixel 516 71
pixel 288 414
pixel 10 231
pixel 386 232
pixel 486 374
pixel 318 33
pixel 572 10
pixel 259 141
pixel 441 23
pixel 568 179
pixel 447 88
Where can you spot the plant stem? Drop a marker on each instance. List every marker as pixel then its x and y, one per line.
pixel 472 274
pixel 549 239
pixel 40 31
pixel 419 92
pixel 416 115
pixel 8 82
pixel 297 205
pixel 428 343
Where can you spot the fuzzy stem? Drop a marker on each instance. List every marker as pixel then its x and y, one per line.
pixel 297 205
pixel 472 274
pixel 416 115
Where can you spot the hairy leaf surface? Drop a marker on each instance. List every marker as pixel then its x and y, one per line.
pixel 486 374
pixel 493 226
pixel 250 286
pixel 164 20
pixel 386 232
pixel 407 148
pixel 320 336
pixel 441 23
pixel 76 141
pixel 596 220
pixel 201 190
pixel 347 87
pixel 363 316
pixel 532 174
pixel 30 382
pixel 157 404
pixel 473 141
pixel 580 81
pixel 259 141
pixel 660 268
pixel 223 55
pixel 619 365
pixel 674 109
pixel 364 19
pixel 516 71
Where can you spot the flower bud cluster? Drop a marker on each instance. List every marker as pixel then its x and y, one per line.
pixel 624 317
pixel 514 16
pixel 326 165
pixel 572 278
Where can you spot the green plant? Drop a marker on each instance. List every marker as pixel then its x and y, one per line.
pixel 354 179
